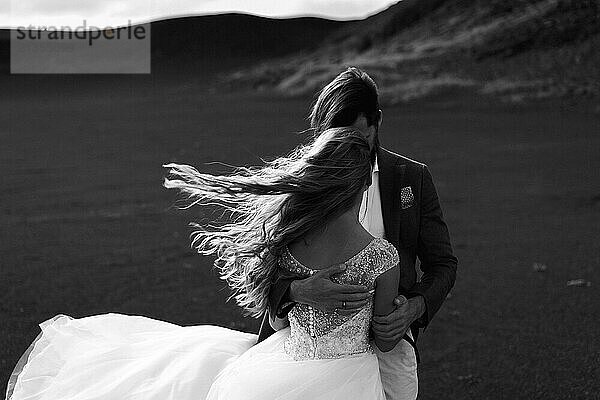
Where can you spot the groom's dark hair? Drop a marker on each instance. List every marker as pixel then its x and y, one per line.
pixel 340 102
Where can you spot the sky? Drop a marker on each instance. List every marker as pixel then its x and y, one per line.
pixel 102 13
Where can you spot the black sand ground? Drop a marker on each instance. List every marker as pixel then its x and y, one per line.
pixel 87 227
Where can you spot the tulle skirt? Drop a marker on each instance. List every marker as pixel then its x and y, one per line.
pixel 125 357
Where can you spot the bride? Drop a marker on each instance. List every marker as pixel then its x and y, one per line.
pixel 297 214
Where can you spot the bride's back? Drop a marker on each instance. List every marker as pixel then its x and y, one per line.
pixel 321 334
pixel 335 243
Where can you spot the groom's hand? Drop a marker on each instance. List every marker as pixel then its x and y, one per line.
pixel 394 325
pixel 320 292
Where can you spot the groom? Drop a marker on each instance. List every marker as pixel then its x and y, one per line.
pixel 401 205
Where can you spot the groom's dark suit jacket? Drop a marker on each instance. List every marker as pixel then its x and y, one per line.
pixel 417 230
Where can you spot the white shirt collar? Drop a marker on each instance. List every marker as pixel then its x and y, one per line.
pixel 375 165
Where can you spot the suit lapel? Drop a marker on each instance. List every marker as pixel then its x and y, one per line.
pixel 391 174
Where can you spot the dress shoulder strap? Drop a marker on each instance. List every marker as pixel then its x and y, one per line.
pixel 387 257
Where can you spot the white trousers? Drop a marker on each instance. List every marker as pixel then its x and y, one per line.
pixel 398 370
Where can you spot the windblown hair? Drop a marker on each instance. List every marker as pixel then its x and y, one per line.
pixel 341 101
pixel 273 205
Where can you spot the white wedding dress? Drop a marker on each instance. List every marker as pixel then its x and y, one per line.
pixel 321 355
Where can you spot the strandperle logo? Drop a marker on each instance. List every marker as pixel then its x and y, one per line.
pixel 83 49
pixel 83 32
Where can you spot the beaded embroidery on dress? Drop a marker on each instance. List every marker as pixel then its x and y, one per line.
pixel 317 334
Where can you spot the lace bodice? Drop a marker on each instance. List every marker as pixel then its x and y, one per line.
pixel 319 334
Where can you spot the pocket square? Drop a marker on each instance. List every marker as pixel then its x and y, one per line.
pixel 407 198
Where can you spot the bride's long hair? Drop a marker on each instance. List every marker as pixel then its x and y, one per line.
pixel 273 205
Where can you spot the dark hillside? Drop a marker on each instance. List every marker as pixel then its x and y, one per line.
pixel 514 50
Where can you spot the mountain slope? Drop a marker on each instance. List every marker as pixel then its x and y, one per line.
pixel 512 49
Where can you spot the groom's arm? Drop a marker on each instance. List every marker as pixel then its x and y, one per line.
pixel 434 250
pixel 318 291
pixel 279 297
